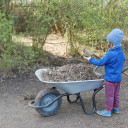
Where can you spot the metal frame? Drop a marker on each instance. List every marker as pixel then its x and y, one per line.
pixel 73 101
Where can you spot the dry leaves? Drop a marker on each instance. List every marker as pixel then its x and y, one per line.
pixel 70 72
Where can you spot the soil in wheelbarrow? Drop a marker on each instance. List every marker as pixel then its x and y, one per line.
pixel 70 72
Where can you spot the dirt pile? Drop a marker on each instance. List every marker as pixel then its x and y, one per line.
pixel 70 72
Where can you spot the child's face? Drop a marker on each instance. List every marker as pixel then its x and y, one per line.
pixel 110 45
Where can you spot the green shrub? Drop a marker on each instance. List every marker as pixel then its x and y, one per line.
pixel 80 21
pixel 13 55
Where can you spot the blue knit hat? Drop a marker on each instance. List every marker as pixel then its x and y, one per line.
pixel 115 36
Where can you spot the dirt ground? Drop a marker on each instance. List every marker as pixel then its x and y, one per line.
pixel 15 111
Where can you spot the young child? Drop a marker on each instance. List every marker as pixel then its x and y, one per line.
pixel 113 62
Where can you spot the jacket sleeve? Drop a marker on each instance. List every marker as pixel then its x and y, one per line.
pixel 102 61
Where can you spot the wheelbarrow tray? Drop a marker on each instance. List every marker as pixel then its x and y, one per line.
pixel 71 87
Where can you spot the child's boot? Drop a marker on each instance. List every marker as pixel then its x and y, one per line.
pixel 104 113
pixel 115 110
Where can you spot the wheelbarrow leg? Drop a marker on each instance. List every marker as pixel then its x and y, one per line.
pixel 72 101
pixel 93 99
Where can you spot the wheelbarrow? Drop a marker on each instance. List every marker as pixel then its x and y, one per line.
pixel 48 101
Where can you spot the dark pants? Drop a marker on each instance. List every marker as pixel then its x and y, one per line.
pixel 112 92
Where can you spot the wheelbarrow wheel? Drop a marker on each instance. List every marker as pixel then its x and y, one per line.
pixel 44 97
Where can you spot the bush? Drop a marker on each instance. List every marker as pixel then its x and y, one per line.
pixel 80 21
pixel 13 55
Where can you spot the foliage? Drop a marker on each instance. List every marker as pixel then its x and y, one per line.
pixel 5 7
pixel 35 21
pixel 81 22
pixel 13 55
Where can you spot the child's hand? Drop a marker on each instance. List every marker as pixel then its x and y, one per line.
pixel 87 58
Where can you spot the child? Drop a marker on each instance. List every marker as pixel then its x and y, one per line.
pixel 113 61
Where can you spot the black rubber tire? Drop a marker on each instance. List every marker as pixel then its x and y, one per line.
pixel 48 95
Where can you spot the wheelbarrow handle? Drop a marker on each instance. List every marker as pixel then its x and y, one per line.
pixel 123 71
pixel 95 68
